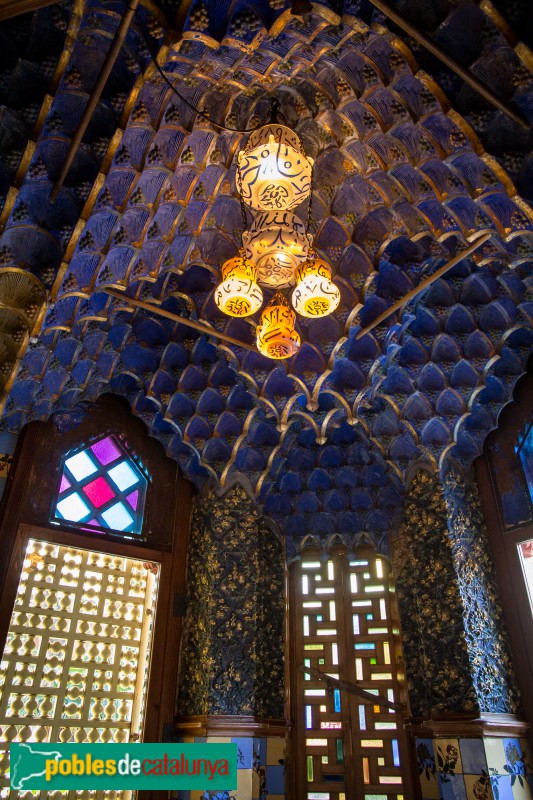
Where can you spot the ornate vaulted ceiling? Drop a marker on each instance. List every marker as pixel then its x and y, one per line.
pixel 402 183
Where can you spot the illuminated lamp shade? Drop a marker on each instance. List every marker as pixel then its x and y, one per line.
pixel 276 336
pixel 315 294
pixel 275 173
pixel 277 243
pixel 238 294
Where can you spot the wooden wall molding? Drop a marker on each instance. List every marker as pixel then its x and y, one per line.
pixel 496 725
pixel 222 725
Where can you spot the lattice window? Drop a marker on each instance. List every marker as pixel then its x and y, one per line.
pixel 101 487
pixel 75 664
pixel 345 626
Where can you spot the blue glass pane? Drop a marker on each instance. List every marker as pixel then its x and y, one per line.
pixel 81 465
pixel 73 508
pixel 118 517
pixel 526 457
pixel 337 700
pixel 123 476
pixel 395 753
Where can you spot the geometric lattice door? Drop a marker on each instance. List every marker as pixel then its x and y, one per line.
pixel 344 625
pixel 76 659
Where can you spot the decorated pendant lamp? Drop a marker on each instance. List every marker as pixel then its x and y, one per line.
pixel 315 294
pixel 277 242
pixel 276 335
pixel 238 294
pixel 275 174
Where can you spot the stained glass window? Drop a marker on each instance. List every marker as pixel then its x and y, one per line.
pixel 101 486
pixel 347 745
pixel 525 452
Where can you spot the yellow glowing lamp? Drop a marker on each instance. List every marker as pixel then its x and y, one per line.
pixel 274 172
pixel 315 294
pixel 238 294
pixel 276 336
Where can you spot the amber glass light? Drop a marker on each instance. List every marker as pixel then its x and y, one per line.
pixel 276 336
pixel 238 294
pixel 315 294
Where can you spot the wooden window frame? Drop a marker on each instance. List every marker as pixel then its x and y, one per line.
pixel 24 513
pixel 504 541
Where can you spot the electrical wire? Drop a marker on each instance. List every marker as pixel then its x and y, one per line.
pixel 211 121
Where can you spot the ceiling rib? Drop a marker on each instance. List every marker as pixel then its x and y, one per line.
pixel 425 283
pixel 190 323
pixel 450 62
pixel 103 75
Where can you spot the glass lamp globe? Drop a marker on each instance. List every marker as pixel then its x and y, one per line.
pixel 277 243
pixel 315 294
pixel 274 172
pixel 238 294
pixel 276 336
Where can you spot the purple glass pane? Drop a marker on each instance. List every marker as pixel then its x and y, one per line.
pixel 105 451
pixel 133 499
pixel 94 522
pixel 65 483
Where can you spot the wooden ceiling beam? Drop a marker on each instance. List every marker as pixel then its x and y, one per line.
pixel 13 8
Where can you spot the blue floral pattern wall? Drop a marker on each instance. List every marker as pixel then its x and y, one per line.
pixel 488 646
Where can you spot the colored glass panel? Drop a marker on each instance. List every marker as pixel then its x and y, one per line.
pixel 123 476
pixel 99 492
pixel 133 499
pixel 73 508
pixel 106 451
pixel 118 517
pixel 336 718
pixel 81 465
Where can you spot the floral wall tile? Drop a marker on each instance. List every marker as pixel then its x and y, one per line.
pixel 233 643
pixel 427 772
pixel 478 786
pixel 447 756
pixel 433 635
pixel 501 787
pixel 495 753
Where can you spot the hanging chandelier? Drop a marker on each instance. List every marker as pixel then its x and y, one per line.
pixel 274 176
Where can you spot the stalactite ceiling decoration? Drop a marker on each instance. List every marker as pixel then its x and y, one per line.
pixel 402 184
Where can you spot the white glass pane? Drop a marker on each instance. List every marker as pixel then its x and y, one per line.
pixel 73 508
pixel 123 476
pixel 81 465
pixel 86 652
pixel 118 517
